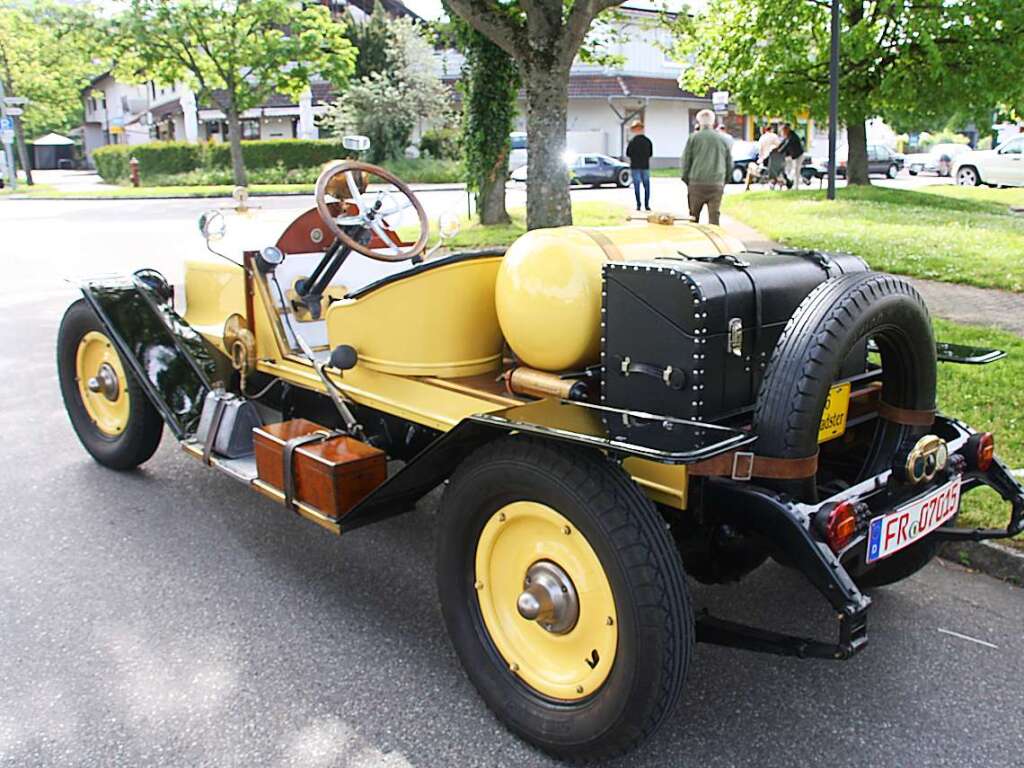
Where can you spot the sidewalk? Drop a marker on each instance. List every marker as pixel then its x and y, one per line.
pixel 965 304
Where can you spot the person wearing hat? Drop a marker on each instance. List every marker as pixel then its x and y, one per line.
pixel 639 151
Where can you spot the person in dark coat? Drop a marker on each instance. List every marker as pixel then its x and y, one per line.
pixel 639 151
pixel 792 148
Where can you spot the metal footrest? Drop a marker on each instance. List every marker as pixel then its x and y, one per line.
pixel 853 637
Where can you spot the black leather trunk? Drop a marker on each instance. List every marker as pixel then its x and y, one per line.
pixel 691 338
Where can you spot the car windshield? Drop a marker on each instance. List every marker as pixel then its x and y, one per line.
pixel 948 149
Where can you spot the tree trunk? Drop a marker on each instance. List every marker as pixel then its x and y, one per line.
pixel 491 199
pixel 547 178
pixel 19 131
pixel 235 140
pixel 857 158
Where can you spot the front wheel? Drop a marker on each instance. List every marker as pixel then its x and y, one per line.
pixel 623 178
pixel 564 597
pixel 893 171
pixel 738 174
pixel 109 412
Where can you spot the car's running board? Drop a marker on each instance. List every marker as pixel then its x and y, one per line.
pixel 244 470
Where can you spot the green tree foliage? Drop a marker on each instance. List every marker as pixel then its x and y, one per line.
pixel 543 37
pixel 911 63
pixel 46 53
pixel 489 85
pixel 386 104
pixel 373 40
pixel 234 53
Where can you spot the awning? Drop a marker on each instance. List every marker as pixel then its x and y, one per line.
pixel 52 140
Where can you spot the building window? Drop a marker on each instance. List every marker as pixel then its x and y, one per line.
pixel 250 130
pixel 124 105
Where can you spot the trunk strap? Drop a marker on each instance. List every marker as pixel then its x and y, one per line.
pixel 906 416
pixel 744 465
pixel 288 457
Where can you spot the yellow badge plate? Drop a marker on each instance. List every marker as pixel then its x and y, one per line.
pixel 833 418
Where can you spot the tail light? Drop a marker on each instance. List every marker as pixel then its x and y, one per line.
pixel 985 451
pixel 840 525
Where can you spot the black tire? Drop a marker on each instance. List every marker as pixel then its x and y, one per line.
pixel 655 617
pixel 968 176
pixel 623 178
pixel 738 174
pixel 892 171
pixel 822 333
pixel 141 436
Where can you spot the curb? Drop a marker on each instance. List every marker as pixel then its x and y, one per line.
pixel 996 560
pixel 258 193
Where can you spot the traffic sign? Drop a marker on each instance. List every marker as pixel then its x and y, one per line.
pixel 15 101
pixel 6 124
pixel 15 111
pixel 6 136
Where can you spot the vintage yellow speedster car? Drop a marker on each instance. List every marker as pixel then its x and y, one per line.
pixel 610 410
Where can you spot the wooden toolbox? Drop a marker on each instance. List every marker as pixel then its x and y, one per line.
pixel 332 474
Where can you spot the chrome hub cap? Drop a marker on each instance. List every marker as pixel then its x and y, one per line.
pixel 549 598
pixel 105 382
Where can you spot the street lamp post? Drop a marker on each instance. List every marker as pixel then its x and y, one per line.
pixel 833 101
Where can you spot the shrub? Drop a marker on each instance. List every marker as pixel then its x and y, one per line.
pixel 112 161
pixel 441 143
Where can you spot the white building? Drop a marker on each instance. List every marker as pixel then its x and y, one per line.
pixel 603 101
pixel 118 113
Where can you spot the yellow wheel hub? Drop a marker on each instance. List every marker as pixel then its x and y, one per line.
pixel 545 601
pixel 101 383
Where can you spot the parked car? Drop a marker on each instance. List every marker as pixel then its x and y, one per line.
pixel 517 157
pixel 938 160
pixel 743 154
pixel 591 168
pixel 1002 166
pixel 882 161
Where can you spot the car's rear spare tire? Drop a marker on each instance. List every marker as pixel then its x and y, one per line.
pixel 526 526
pixel 109 412
pixel 830 325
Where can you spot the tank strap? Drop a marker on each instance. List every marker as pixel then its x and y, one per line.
pixel 906 416
pixel 611 251
pixel 744 465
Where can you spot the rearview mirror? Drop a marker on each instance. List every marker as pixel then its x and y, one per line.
pixel 448 225
pixel 356 143
pixel 213 225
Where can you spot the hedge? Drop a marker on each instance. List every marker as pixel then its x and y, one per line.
pixel 161 158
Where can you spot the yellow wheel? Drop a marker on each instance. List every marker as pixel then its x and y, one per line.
pixel 563 595
pixel 110 413
pixel 546 601
pixel 102 383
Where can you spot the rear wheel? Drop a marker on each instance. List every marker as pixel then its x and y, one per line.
pixel 738 174
pixel 967 177
pixel 110 413
pixel 623 178
pixel 563 596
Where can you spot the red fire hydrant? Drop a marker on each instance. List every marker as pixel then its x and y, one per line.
pixel 133 171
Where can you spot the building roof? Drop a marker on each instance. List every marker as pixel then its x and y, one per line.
pixel 166 109
pixel 52 140
pixel 627 86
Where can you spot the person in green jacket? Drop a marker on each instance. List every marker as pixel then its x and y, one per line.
pixel 706 166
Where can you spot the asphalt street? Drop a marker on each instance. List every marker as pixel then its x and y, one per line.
pixel 170 617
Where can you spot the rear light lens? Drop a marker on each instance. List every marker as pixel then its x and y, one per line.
pixel 840 525
pixel 986 451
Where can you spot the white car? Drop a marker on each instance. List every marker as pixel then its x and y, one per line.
pixel 1002 166
pixel 938 160
pixel 517 157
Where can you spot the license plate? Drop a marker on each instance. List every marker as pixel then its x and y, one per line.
pixel 833 418
pixel 912 522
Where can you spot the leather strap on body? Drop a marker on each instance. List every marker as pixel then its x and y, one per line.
pixel 906 416
pixel 611 251
pixel 219 406
pixel 744 465
pixel 288 468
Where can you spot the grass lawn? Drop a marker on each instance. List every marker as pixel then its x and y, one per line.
pixel 990 398
pixel 585 214
pixel 954 234
pixel 671 172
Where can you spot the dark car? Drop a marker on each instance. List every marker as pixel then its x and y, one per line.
pixel 595 169
pixel 881 161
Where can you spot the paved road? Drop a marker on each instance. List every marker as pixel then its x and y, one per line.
pixel 169 617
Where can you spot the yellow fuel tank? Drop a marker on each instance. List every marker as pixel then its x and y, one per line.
pixel 548 291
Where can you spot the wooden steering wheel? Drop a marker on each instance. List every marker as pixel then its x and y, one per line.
pixel 365 210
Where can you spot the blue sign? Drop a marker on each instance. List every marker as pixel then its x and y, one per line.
pixel 6 123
